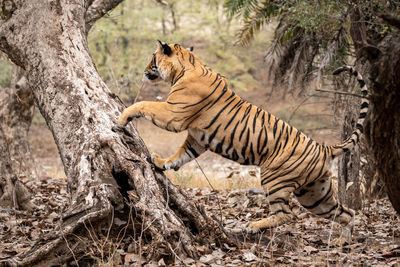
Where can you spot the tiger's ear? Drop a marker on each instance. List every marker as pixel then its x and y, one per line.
pixel 190 49
pixel 165 48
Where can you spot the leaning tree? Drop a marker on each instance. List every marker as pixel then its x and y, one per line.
pixel 105 164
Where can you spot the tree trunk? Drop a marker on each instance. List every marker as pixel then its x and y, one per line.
pixel 17 106
pixel 349 164
pixel 13 194
pixel 385 115
pixel 103 163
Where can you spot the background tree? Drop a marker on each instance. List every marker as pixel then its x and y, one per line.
pixel 17 109
pixel 103 163
pixel 13 194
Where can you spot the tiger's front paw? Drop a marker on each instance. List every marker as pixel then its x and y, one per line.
pixel 163 164
pixel 124 119
pixel 128 114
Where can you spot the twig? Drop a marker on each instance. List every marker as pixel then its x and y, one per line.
pixel 176 256
pixel 219 203
pixel 337 92
pixel 70 249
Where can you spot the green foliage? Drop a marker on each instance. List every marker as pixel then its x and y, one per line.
pixel 311 35
pixel 122 43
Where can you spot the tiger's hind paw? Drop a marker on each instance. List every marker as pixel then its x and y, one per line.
pixel 252 228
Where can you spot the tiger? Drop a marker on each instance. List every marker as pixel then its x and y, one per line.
pixel 217 119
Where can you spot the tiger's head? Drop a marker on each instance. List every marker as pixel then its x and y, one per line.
pixel 167 61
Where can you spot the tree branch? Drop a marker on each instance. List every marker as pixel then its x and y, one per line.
pixel 337 92
pixel 391 20
pixel 97 10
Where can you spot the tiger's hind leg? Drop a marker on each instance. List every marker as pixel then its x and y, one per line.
pixel 280 211
pixel 320 197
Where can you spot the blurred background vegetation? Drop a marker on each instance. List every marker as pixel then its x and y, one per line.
pixel 123 42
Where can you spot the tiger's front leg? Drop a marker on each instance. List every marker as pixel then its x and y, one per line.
pixel 160 113
pixel 189 150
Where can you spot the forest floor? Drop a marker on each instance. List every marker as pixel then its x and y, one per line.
pixel 228 191
pixel 305 241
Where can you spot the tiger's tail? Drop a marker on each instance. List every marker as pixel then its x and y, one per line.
pixel 358 130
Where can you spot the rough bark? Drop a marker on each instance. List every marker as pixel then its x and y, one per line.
pixel 385 115
pixel 103 163
pixel 13 194
pixel 349 164
pixel 16 109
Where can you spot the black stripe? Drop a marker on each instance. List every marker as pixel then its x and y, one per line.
pixel 218 76
pixel 180 75
pixel 255 119
pixel 246 144
pixel 280 188
pixel 194 152
pixel 176 90
pixel 176 103
pixel 232 95
pixel 246 112
pixel 275 126
pixel 363 115
pixel 233 117
pixel 263 119
pixel 277 142
pixel 265 139
pixel 203 98
pixel 301 193
pixel 213 134
pixel 329 211
pixel 259 141
pixel 300 160
pixel 235 155
pixel 224 90
pixel 218 148
pixel 244 128
pixel 238 104
pixel 288 158
pixel 191 59
pixel 287 135
pixel 278 200
pixel 252 154
pixel 232 137
pixel 218 114
pixel 361 83
pixel 316 203
pixel 197 113
pixel 364 105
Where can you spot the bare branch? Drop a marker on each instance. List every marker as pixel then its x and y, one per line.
pixel 97 10
pixel 337 92
pixel 162 2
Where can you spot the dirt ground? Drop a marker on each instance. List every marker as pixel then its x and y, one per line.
pixel 305 241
